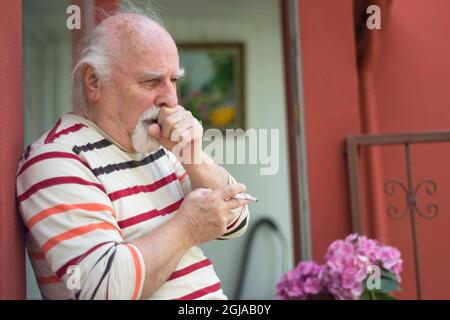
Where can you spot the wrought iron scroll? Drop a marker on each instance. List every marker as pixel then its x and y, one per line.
pixel 412 208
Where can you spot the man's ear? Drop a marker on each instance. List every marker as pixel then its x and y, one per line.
pixel 92 84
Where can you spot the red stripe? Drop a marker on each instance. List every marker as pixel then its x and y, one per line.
pixel 235 221
pixel 53 182
pixel 74 128
pixel 200 293
pixel 36 255
pixel 50 155
pixel 150 215
pixel 189 269
pixel 52 132
pixel 62 271
pixel 138 189
pixel 42 281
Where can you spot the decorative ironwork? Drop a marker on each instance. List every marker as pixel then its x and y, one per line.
pixel 432 208
pixel 390 187
pixel 412 208
pixel 389 190
pixel 411 201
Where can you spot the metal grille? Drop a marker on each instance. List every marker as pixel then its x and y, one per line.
pixel 391 186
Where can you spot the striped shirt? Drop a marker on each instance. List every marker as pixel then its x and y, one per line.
pixel 82 198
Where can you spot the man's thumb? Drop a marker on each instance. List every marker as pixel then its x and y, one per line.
pixel 154 130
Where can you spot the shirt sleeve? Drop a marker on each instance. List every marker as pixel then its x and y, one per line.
pixel 68 215
pixel 181 174
pixel 238 225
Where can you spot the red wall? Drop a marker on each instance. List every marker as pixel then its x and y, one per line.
pixel 12 250
pixel 408 91
pixel 412 88
pixel 330 89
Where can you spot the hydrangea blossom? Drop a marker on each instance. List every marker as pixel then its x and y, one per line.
pixel 306 279
pixel 343 273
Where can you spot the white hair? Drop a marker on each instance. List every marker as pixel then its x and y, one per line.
pixel 97 49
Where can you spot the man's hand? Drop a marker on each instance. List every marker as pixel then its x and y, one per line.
pixel 177 127
pixel 207 212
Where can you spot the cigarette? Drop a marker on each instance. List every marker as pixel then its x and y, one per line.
pixel 245 196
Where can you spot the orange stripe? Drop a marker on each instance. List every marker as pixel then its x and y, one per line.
pixel 67 207
pixel 75 233
pixel 47 280
pixel 36 255
pixel 137 265
pixel 181 178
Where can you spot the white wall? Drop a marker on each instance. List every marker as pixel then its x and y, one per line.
pixel 256 23
pixel 48 62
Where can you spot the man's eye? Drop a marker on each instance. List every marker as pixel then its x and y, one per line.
pixel 174 80
pixel 152 82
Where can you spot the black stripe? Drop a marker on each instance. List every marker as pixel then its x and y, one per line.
pixel 91 146
pixel 26 155
pixel 77 294
pixel 105 273
pixel 103 255
pixel 129 164
pixel 243 223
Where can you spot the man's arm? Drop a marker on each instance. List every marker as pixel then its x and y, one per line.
pixel 206 174
pixel 180 133
pixel 202 217
pixel 162 251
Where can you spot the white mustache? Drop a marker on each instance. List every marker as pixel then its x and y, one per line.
pixel 142 141
pixel 151 114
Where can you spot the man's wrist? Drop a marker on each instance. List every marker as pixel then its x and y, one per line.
pixel 183 224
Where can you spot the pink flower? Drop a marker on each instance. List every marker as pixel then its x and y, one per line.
pixel 305 279
pixel 390 259
pixel 346 267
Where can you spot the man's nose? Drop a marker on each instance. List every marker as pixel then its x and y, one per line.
pixel 167 96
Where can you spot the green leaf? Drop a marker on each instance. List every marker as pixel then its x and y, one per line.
pixel 375 295
pixel 380 295
pixel 365 295
pixel 388 274
pixel 388 284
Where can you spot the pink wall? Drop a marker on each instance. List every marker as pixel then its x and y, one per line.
pixel 408 90
pixel 412 88
pixel 12 250
pixel 332 112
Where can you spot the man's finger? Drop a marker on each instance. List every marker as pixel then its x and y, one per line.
pixel 170 122
pixel 234 203
pixel 232 189
pixel 230 217
pixel 164 112
pixel 154 130
pixel 182 126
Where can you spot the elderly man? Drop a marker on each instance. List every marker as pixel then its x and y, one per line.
pixel 111 210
